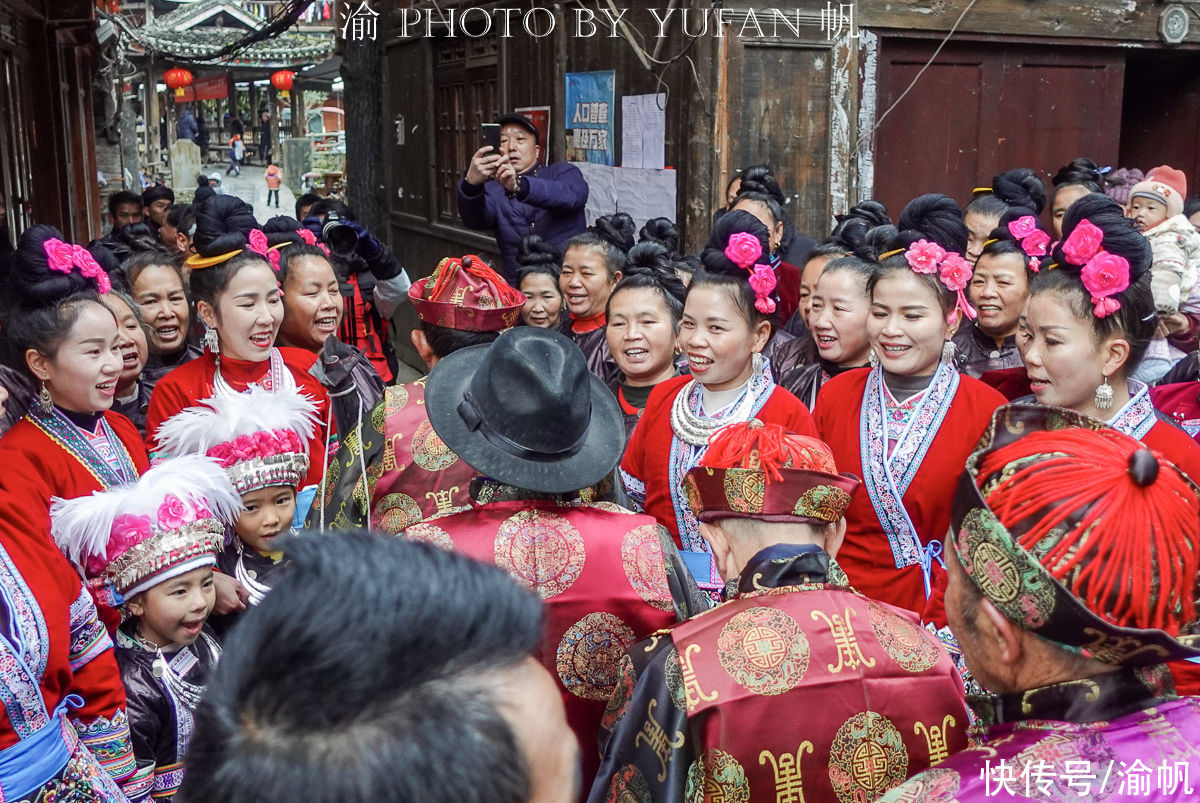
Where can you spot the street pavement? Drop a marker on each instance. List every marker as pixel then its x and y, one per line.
pixel 251 187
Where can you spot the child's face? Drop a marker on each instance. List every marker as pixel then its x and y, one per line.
pixel 268 513
pixel 1145 212
pixel 173 612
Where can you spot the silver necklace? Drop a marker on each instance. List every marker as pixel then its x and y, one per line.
pixel 247 577
pixel 694 429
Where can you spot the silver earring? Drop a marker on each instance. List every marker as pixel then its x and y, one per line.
pixel 211 341
pixel 872 358
pixel 948 350
pixel 45 400
pixel 1104 395
pixel 758 362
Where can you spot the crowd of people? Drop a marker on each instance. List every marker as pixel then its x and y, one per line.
pixel 908 512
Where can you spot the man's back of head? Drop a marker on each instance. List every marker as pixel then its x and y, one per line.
pixel 382 670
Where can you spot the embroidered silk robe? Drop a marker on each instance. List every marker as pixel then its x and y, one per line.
pixel 1117 737
pixel 410 474
pixel 798 688
pixel 607 577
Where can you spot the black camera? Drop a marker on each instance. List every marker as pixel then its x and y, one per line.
pixel 341 238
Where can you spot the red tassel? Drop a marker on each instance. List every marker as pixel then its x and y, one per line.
pixel 1132 556
pixel 766 447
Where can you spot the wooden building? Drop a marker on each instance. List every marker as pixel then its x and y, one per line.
pixel 48 60
pixel 1017 83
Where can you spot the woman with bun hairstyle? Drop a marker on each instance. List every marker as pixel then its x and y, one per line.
pixel 313 307
pixel 998 291
pixel 907 424
pixel 644 311
pixel 793 247
pixel 157 286
pixel 663 231
pixel 1019 188
pixel 723 331
pixel 62 335
pixel 133 391
pixel 839 314
pixel 1072 182
pixel 1090 319
pixel 539 265
pixel 591 268
pixel 237 293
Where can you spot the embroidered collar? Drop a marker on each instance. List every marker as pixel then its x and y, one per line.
pixel 1094 699
pixel 1137 417
pixel 60 429
pixel 783 565
pixel 582 326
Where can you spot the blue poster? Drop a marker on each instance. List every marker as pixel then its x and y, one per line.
pixel 590 97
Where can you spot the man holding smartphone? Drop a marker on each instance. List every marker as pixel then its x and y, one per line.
pixel 506 190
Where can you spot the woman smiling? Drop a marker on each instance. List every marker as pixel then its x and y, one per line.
pixel 591 269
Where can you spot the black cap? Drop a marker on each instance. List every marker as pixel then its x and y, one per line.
pixel 157 193
pixel 524 122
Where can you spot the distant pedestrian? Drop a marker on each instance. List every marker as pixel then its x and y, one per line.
pixel 264 137
pixel 237 153
pixel 274 178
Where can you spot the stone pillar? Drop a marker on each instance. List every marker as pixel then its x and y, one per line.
pixel 185 165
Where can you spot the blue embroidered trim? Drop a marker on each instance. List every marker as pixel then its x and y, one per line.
pixel 887 477
pixel 23 653
pixel 62 431
pixel 109 741
pixel 635 488
pixel 88 635
pixel 1136 418
pixel 167 780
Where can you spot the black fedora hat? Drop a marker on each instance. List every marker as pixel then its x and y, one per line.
pixel 525 411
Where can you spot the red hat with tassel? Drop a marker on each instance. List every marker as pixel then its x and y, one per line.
pixel 761 471
pixel 468 295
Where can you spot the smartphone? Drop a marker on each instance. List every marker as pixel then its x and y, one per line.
pixel 491 135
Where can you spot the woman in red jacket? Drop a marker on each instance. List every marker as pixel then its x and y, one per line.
pixel 724 329
pixel 69 443
pixel 237 296
pixel 906 425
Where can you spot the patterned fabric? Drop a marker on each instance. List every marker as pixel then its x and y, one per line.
pixel 606 576
pixel 684 457
pixel 23 653
pixel 108 740
pixel 857 695
pixel 887 472
pixel 102 452
pixel 1117 737
pixel 394 473
pixel 89 638
pixel 81 781
pixel 1137 417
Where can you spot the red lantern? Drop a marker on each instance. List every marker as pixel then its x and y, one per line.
pixel 282 81
pixel 177 78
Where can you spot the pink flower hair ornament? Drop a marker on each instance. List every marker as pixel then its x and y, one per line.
pixel 951 269
pixel 307 236
pixel 1034 242
pixel 1104 276
pixel 257 242
pixel 743 249
pixel 762 282
pixel 64 257
pixel 924 256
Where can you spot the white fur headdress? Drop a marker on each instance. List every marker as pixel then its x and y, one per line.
pixel 260 437
pixel 135 536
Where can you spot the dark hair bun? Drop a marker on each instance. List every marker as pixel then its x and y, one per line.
pixel 282 229
pixel 222 225
pixel 663 231
pixel 1020 187
pixel 616 229
pixel 853 228
pixel 31 283
pixel 760 179
pixel 652 261
pixel 713 256
pixel 1081 170
pixel 932 217
pixel 534 252
pixel 1120 237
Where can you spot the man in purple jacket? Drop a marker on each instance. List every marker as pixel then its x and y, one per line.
pixel 524 197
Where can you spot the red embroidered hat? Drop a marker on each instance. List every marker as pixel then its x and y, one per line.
pixel 761 471
pixel 466 294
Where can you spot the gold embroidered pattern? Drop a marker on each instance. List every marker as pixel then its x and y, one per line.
pixel 430 534
pixel 428 450
pixel 867 758
pixel 745 489
pixel 763 650
pixel 849 652
pixel 1117 649
pixel 644 565
pixel 589 655
pixel 542 550
pixel 789 786
pixel 904 641
pixel 656 739
pixel 443 499
pixel 397 512
pixel 935 738
pixel 693 695
pixel 716 776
